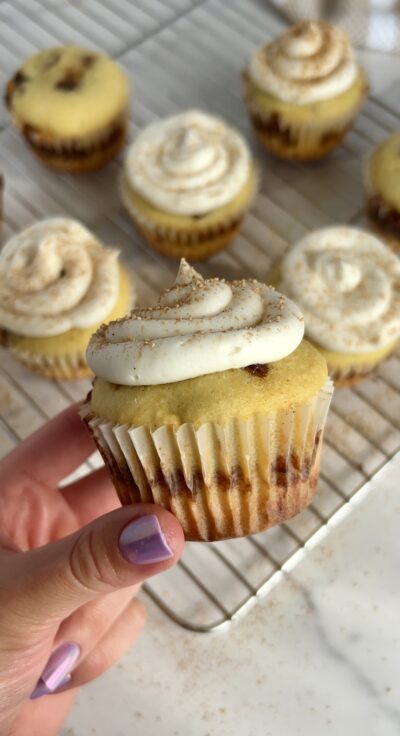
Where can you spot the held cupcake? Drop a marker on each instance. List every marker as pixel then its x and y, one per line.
pixel 57 285
pixel 187 183
pixel 347 283
pixel 212 405
pixel 70 104
pixel 303 91
pixel 383 189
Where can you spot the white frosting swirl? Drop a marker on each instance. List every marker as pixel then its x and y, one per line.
pixel 197 327
pixel 188 164
pixel 55 276
pixel 347 284
pixel 312 61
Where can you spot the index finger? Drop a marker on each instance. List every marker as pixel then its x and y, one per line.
pixel 53 451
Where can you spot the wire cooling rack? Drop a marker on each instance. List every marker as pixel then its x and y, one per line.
pixel 181 54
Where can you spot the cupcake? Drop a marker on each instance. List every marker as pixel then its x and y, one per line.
pixel 347 283
pixel 187 183
pixel 211 404
pixel 383 189
pixel 58 284
pixel 303 91
pixel 70 104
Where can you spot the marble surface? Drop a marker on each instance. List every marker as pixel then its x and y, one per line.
pixel 319 655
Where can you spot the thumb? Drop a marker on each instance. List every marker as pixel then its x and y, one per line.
pixel 117 550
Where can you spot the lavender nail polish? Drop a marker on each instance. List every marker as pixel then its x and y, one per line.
pixel 143 542
pixel 57 670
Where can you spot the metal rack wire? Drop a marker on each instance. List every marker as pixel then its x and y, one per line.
pixel 182 54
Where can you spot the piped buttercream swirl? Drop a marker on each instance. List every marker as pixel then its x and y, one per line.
pixel 197 327
pixel 55 276
pixel 347 284
pixel 188 164
pixel 312 61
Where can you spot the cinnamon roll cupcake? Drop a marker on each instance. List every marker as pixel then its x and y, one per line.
pixel 303 91
pixel 382 184
pixel 187 183
pixel 211 404
pixel 347 283
pixel 57 285
pixel 70 104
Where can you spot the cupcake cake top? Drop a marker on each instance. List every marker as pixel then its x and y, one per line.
pixel 68 91
pixel 347 283
pixel 312 61
pixel 188 164
pixel 197 327
pixel 55 276
pixel 384 169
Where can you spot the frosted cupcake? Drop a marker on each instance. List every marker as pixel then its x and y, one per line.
pixel 70 104
pixel 383 189
pixel 303 91
pixel 57 285
pixel 211 404
pixel 187 183
pixel 347 283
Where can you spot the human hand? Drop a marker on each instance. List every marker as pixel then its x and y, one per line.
pixel 70 561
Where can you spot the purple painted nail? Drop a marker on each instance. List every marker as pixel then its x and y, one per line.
pixel 143 542
pixel 57 671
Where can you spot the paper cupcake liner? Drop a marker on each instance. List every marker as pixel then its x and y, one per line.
pixel 58 367
pixel 352 374
pixel 297 141
pixel 82 144
pixel 219 481
pixel 196 243
pixel 76 161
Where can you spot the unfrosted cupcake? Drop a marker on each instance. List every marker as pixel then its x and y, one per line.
pixel 383 189
pixel 303 90
pixel 57 285
pixel 70 104
pixel 211 404
pixel 187 183
pixel 347 283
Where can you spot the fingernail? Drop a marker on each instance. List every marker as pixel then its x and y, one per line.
pixel 57 671
pixel 42 689
pixel 65 681
pixel 143 542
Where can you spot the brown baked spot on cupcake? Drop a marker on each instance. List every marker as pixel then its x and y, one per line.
pixel 88 60
pixel 257 369
pixel 73 76
pixel 71 80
